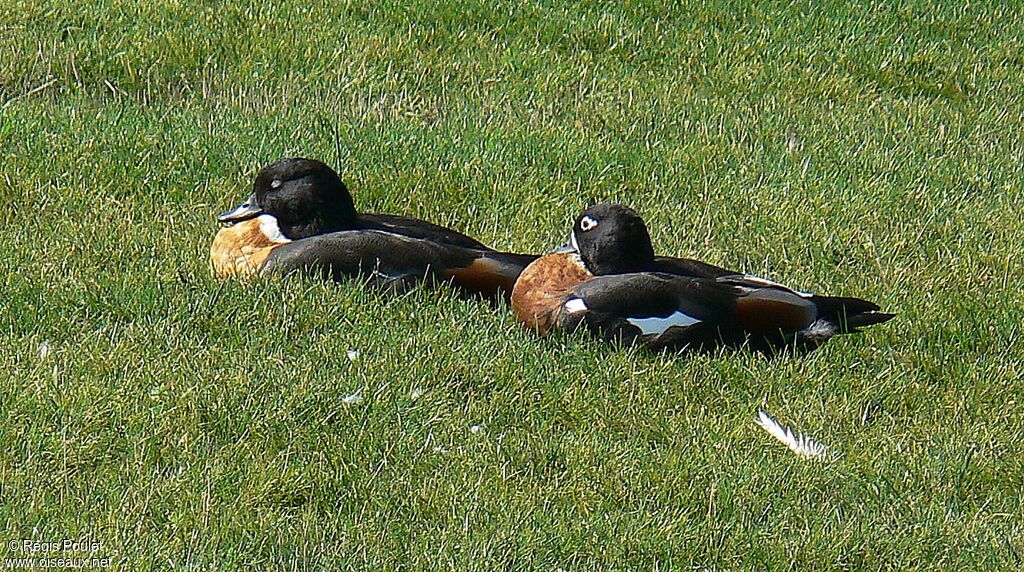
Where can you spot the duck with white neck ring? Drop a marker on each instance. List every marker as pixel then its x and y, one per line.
pixel 300 218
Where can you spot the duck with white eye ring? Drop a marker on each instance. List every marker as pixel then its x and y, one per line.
pixel 610 283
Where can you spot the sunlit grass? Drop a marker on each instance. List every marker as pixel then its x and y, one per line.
pixel 871 150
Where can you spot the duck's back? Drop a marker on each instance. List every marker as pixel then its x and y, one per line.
pixel 416 228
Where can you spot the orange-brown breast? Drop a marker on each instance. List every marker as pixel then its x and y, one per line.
pixel 240 249
pixel 538 294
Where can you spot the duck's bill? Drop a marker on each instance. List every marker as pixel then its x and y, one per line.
pixel 567 247
pixel 570 246
pixel 244 211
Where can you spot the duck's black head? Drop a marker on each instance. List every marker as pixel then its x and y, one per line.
pixel 612 239
pixel 306 196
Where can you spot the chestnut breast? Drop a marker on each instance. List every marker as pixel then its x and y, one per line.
pixel 242 248
pixel 540 291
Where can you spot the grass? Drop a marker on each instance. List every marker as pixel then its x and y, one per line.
pixel 866 149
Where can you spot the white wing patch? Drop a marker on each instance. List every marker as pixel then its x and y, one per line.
pixel 271 230
pixel 575 306
pixel 659 325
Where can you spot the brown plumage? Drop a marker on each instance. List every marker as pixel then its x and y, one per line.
pixel 541 289
pixel 483 276
pixel 771 310
pixel 241 250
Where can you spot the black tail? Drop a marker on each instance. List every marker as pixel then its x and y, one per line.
pixel 848 314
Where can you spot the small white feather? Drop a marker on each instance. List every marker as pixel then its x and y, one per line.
pixel 575 306
pixel 418 393
pixel 352 399
pixel 820 330
pixel 800 444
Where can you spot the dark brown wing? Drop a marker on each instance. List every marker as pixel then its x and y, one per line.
pixel 391 260
pixel 655 309
pixel 416 228
pixel 670 311
pixel 689 267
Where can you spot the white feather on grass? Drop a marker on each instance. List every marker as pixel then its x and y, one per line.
pixel 352 399
pixel 800 444
pixel 418 393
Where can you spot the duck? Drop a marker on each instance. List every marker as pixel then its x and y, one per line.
pixel 300 219
pixel 308 198
pixel 609 282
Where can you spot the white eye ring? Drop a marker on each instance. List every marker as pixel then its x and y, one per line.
pixel 275 183
pixel 587 223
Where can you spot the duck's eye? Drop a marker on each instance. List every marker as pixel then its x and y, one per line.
pixel 588 223
pixel 276 184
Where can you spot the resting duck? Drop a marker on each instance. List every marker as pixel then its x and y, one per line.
pixel 300 218
pixel 308 198
pixel 610 281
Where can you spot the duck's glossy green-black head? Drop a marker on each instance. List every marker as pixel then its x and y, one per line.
pixel 612 239
pixel 306 196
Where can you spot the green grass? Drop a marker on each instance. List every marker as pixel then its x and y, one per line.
pixel 871 149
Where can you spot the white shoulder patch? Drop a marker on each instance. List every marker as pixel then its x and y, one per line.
pixel 658 325
pixel 575 306
pixel 271 230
